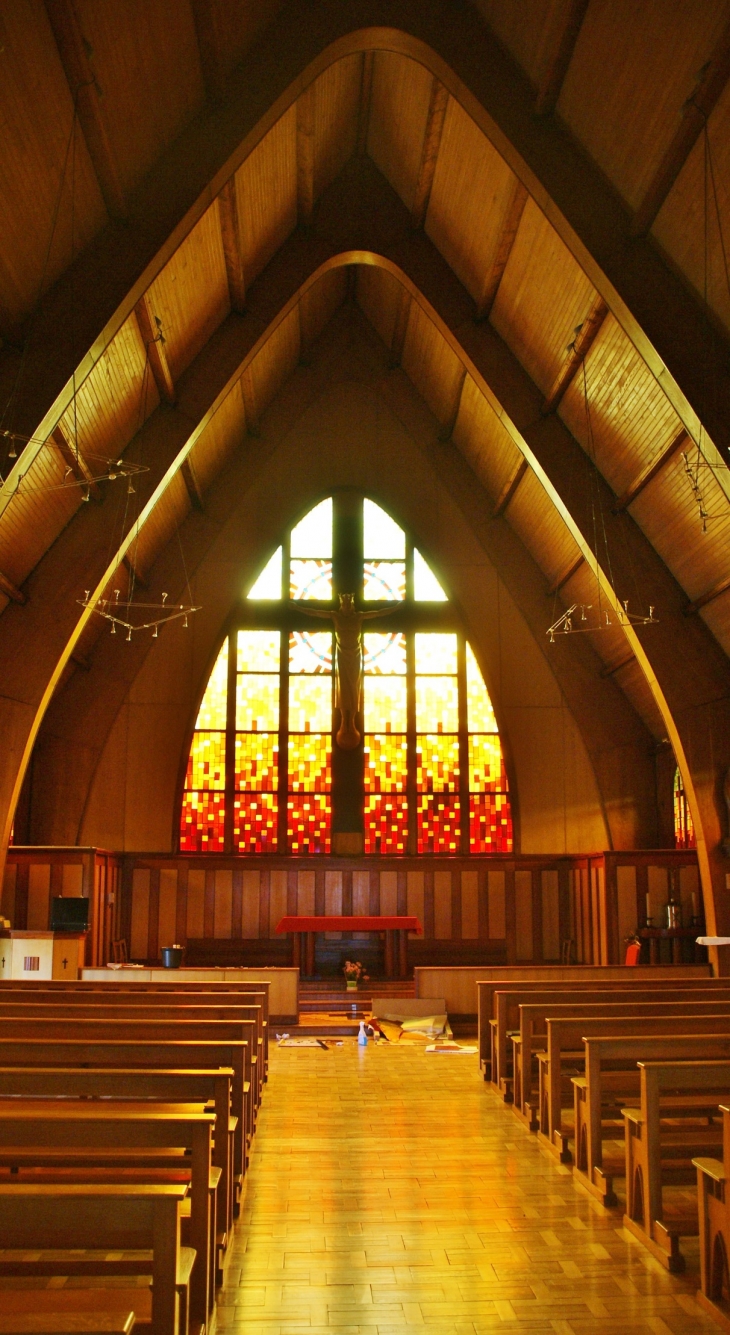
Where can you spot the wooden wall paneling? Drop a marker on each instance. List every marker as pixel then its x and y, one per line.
pixel 195 916
pixel 292 891
pixel 39 892
pixel 347 893
pixel 689 886
pixel 306 893
pixel 72 879
pixel 374 892
pixel 443 923
pixel 7 900
pixel 428 920
pixel 456 912
pixel 523 916
pixel 333 898
pixel 388 894
pixel 153 935
pixel 595 914
pixel 223 911
pixel 250 911
pixel 277 900
pixel 565 904
pixel 628 908
pixel 510 911
pixel 472 192
pixel 139 926
pixel 336 112
pixel 497 899
pixel 399 101
pixel 469 904
pixel 319 891
pixel 181 916
pixel 126 884
pixel 658 890
pixel 629 55
pixel 209 903
pixel 537 945
pixel 266 187
pixel 550 907
pixel 415 900
pixel 402 892
pixel 167 910
pixel 56 886
pixel 543 295
pixel 614 953
pixel 360 894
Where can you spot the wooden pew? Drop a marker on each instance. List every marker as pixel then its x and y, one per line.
pixel 152 1056
pixel 209 1089
pixel 65 1323
pixel 104 1218
pixel 688 1093
pixel 532 1015
pixel 507 1004
pixel 133 1010
pixel 612 1081
pixel 549 977
pixel 713 1201
pixel 221 1031
pixel 47 1134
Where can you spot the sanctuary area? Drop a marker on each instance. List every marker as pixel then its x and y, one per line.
pixel 364 666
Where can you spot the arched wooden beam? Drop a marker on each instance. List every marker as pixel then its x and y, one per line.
pixel 414 295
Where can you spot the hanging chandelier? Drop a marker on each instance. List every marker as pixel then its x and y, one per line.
pixel 601 621
pixel 130 616
pixel 83 472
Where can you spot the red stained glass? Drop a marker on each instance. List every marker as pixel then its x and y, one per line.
pixel 490 823
pixel 255 823
pixel 257 756
pixel 684 830
pixel 309 817
pixel 386 824
pixel 385 763
pixel 201 822
pixel 439 823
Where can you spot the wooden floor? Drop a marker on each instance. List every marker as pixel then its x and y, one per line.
pixel 391 1190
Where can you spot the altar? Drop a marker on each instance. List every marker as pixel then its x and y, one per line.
pixel 40 956
pixel 394 928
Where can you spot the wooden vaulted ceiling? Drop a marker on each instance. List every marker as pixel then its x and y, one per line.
pixel 257 264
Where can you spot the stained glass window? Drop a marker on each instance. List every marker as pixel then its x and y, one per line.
pixel 433 772
pixel 684 830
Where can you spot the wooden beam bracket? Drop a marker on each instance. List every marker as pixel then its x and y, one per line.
pixel 705 598
pixel 429 155
pixel 566 574
pixel 648 474
pixel 150 328
pixel 232 252
pixel 11 590
pixel 447 430
pixel 75 461
pixel 567 20
pixel 577 352
pixel 192 485
pixel 509 232
pixel 509 489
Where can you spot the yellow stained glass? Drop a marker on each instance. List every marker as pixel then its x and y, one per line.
pixel 310 651
pixel 312 536
pixel 479 706
pixel 435 653
pixel 385 654
pixel 486 771
pixel 310 762
pixel 257 702
pixel 202 822
pixel 385 763
pixel 437 764
pixel 384 704
pixel 426 588
pixel 268 584
pixel 207 761
pixel 381 535
pixel 212 712
pixel 311 579
pixel 437 704
pixel 310 704
pixel 257 761
pixel 258 650
pixel 384 581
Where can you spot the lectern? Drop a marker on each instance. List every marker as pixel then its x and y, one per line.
pixel 38 956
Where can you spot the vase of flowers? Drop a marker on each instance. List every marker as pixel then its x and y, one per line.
pixel 354 973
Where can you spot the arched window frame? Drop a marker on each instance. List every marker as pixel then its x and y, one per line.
pixel 410 616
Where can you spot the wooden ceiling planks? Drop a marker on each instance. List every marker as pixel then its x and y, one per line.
pixel 680 226
pixel 484 441
pixel 114 401
pixel 275 362
pixel 399 102
pixel 36 113
pixel 190 296
pixel 523 29
pixel 378 296
pixel 160 527
pixel 431 365
pixel 318 304
pixel 470 200
pixel 633 68
pixel 222 436
pixel 631 418
pixel 36 514
pixel 266 192
pixel 144 56
pixel 541 528
pixel 543 295
pixel 336 110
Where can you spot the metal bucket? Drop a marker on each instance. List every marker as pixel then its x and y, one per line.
pixel 172 956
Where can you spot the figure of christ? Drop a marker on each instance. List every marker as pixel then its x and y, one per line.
pixel 348 640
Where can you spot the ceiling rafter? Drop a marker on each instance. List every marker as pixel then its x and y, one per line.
pixel 11 590
pixel 366 92
pixel 447 430
pixel 509 232
pixel 192 485
pixel 305 156
pixel 566 22
pixel 694 116
pixel 151 333
pixel 210 47
pixel 705 598
pixel 232 251
pixel 577 354
pixel 438 103
pixel 400 328
pixel 648 474
pixel 510 487
pixel 73 50
pixel 74 459
pixel 250 405
pixel 566 574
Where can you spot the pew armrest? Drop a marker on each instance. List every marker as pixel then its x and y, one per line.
pixel 185 1265
pixel 633 1115
pixel 713 1168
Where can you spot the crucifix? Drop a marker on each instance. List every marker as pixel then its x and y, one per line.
pixel 348 668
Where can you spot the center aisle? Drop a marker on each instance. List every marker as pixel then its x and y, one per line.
pixel 390 1189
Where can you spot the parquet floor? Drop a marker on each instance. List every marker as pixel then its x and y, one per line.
pixel 390 1190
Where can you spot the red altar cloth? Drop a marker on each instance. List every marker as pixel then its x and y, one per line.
pixel 349 924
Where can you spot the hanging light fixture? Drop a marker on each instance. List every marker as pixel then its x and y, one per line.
pixel 100 467
pixel 131 616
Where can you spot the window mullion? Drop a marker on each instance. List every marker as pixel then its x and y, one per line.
pixel 230 742
pixel 463 743
pixel 283 743
pixel 412 786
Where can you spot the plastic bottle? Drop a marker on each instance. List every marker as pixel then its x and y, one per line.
pixel 362 1037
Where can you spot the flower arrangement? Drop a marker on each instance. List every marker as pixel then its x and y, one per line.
pixel 354 973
